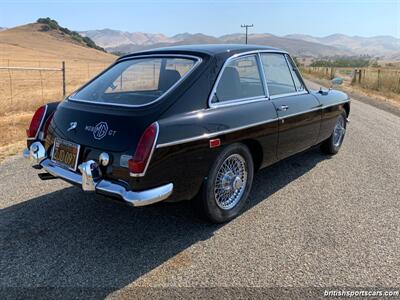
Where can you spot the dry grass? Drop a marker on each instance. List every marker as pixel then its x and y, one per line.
pixel 386 89
pixel 21 92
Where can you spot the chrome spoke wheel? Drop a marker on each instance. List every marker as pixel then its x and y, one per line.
pixel 230 182
pixel 339 131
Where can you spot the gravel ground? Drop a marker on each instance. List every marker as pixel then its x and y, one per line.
pixel 314 221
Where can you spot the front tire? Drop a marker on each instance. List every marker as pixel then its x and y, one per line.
pixel 334 142
pixel 225 192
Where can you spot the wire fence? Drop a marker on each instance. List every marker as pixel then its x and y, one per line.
pixel 378 79
pixel 24 85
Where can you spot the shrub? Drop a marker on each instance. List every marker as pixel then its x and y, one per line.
pixel 50 24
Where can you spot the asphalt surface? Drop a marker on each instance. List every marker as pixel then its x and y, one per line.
pixel 314 221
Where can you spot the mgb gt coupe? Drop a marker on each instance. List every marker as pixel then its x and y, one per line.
pixel 185 122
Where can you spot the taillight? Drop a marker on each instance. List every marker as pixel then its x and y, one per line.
pixel 47 124
pixel 138 163
pixel 36 121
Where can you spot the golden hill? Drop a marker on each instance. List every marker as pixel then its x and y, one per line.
pixel 22 91
pixel 28 42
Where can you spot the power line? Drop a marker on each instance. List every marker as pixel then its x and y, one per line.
pixel 247 28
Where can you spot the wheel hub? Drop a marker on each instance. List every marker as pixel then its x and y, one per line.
pixel 231 182
pixel 237 183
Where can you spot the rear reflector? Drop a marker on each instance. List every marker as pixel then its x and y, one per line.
pixel 36 122
pixel 214 143
pixel 139 161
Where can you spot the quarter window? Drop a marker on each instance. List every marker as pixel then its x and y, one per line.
pixel 277 73
pixel 296 75
pixel 240 79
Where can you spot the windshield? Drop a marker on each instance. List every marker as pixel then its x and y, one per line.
pixel 137 81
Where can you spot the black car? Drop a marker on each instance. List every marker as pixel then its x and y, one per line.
pixel 187 122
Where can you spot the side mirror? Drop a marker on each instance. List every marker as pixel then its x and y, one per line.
pixel 337 81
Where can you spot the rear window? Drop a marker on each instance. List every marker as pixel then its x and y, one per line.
pixel 137 81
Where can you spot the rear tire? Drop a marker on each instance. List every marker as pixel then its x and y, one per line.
pixel 225 193
pixel 332 144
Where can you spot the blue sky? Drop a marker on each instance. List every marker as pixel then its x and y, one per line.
pixel 319 18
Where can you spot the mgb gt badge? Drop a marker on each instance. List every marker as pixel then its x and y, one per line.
pixel 100 130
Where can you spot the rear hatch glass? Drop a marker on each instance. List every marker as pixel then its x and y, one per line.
pixel 136 82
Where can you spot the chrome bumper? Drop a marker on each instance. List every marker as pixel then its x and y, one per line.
pixel 90 180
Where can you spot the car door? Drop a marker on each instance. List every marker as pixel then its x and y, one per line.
pixel 298 111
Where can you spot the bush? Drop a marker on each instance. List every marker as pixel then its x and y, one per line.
pixel 50 24
pixel 349 62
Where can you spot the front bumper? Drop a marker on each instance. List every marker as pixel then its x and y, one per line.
pixel 90 179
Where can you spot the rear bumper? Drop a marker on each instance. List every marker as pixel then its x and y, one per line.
pixel 88 182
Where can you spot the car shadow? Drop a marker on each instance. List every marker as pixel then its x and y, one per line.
pixel 68 239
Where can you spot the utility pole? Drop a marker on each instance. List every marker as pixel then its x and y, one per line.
pixel 247 28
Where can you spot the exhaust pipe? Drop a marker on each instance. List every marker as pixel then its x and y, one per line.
pixel 46 176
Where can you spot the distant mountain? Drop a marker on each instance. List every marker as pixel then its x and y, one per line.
pixel 2 28
pixel 125 42
pixel 377 46
pixel 109 38
pixel 294 46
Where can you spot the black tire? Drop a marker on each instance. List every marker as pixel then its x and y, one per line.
pixel 207 202
pixel 330 145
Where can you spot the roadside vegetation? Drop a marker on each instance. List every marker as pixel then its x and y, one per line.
pixel 50 24
pixel 360 74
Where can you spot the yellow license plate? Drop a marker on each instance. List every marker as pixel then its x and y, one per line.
pixel 65 153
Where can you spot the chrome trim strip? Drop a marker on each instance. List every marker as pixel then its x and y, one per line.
pixel 291 72
pixel 105 187
pixel 40 125
pixel 150 156
pixel 300 113
pixel 197 63
pixel 238 101
pixel 213 134
pixel 334 104
pixel 263 76
pixel 294 68
pixel 288 95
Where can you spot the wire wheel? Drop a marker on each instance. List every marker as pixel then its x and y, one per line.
pixel 230 182
pixel 339 131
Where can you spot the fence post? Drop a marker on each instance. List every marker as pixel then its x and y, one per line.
pixel 41 84
pixel 11 85
pixel 398 84
pixel 379 79
pixel 353 79
pixel 63 78
pixel 359 76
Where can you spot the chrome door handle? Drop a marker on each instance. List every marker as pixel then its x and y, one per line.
pixel 283 108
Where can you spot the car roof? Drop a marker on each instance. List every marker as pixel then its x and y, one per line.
pixel 208 49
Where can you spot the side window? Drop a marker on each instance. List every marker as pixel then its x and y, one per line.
pixel 295 73
pixel 277 73
pixel 240 79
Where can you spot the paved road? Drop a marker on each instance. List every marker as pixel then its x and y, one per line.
pixel 314 221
